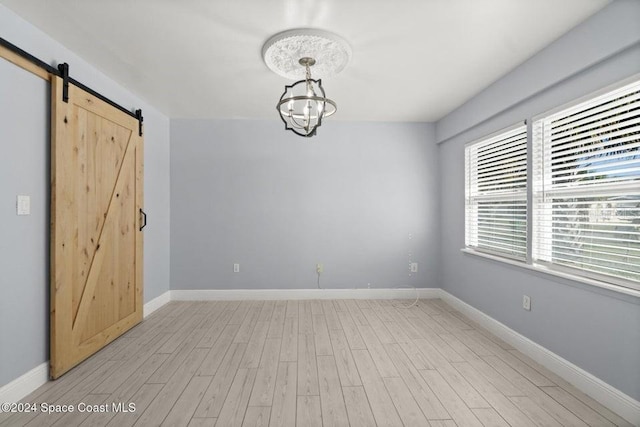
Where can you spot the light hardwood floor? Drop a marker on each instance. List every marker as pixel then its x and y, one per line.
pixel 313 363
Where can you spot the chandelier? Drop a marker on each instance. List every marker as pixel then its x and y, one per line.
pixel 304 104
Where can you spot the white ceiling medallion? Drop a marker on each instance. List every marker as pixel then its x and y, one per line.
pixel 283 51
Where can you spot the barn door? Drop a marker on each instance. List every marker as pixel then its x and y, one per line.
pixel 96 220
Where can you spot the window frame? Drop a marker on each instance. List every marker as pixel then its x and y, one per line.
pixel 628 287
pixel 505 197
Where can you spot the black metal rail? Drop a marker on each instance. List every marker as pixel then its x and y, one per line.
pixel 63 72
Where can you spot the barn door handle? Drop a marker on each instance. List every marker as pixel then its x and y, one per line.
pixel 143 216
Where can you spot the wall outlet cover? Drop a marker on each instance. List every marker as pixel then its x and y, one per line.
pixel 526 302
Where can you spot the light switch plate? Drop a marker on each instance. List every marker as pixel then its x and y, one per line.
pixel 23 205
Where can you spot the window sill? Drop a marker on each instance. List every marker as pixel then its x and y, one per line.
pixel 543 269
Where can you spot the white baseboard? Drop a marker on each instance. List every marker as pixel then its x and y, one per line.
pixel 156 303
pixel 300 294
pixel 25 384
pixel 620 403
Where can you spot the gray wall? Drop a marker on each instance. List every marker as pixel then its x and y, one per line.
pixel 24 248
pixel 24 169
pixel 358 197
pixel 596 329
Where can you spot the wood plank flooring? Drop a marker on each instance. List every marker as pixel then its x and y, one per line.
pixel 312 363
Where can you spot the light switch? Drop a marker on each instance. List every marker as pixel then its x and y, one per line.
pixel 23 205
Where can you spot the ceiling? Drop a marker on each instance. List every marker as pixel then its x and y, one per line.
pixel 413 60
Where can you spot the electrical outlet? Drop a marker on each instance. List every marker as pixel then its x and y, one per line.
pixel 236 268
pixel 319 268
pixel 413 267
pixel 526 302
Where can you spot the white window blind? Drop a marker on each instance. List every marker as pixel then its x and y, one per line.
pixel 586 187
pixel 496 194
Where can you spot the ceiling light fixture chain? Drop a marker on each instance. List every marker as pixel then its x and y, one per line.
pixel 308 74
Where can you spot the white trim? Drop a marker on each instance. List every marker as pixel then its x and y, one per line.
pixel 612 398
pixel 543 269
pixel 155 304
pixel 299 294
pixel 25 384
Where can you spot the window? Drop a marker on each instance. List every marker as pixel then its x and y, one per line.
pixel 586 188
pixel 496 194
pixel 583 189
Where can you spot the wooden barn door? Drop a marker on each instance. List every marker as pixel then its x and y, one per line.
pixel 96 220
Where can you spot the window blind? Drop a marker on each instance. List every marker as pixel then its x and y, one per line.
pixel 586 187
pixel 496 194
